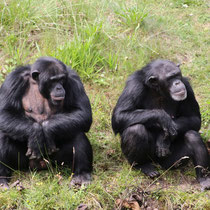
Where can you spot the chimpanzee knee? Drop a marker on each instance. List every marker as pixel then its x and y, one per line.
pixel 83 156
pixel 76 153
pixel 193 140
pixel 136 144
pixel 198 152
pixel 12 156
pixel 192 136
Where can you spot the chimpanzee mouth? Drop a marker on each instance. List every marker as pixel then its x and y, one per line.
pixel 57 98
pixel 180 95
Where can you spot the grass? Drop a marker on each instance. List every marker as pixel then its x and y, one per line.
pixel 105 41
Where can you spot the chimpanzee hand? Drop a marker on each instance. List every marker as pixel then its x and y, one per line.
pixel 49 142
pixel 36 142
pixel 168 125
pixel 162 146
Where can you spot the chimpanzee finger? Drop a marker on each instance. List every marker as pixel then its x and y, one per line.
pixel 28 153
pixel 166 133
pixel 34 156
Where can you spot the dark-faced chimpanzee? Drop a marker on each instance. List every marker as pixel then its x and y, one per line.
pixel 44 112
pixel 158 119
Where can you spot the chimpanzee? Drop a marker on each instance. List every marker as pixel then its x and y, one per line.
pixel 158 119
pixel 44 113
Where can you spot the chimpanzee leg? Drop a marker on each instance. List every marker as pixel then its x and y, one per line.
pixel 200 158
pixel 77 154
pixel 193 147
pixel 12 156
pixel 138 145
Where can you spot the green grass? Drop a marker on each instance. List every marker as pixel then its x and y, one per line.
pixel 105 41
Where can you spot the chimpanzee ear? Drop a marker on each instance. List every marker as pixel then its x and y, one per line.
pixel 35 75
pixel 152 80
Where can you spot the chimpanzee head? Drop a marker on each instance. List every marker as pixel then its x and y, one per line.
pixel 50 75
pixel 165 78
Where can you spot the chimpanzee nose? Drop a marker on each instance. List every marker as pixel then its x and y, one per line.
pixel 177 83
pixel 58 87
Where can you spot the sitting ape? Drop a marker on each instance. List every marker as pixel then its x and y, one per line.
pixel 44 112
pixel 158 119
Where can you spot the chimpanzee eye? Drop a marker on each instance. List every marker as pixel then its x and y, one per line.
pixel 56 81
pixel 175 76
pixel 61 81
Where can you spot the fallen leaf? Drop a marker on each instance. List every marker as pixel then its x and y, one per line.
pixel 129 204
pixel 82 207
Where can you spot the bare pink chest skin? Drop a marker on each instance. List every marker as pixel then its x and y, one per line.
pixel 35 105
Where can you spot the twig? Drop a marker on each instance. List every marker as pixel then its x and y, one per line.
pixel 185 157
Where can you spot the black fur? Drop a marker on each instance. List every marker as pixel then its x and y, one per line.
pixel 154 127
pixel 64 129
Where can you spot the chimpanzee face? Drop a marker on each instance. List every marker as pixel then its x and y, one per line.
pixel 51 76
pixel 165 78
pixel 56 89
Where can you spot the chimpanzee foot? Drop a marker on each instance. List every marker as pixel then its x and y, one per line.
pixel 4 184
pixel 149 170
pixel 205 183
pixel 80 180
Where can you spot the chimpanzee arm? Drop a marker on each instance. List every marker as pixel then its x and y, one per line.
pixel 128 110
pixel 12 116
pixel 77 115
pixel 189 114
pixel 12 119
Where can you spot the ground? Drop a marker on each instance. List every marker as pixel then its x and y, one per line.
pixel 105 41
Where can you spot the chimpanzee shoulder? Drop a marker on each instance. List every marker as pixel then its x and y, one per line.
pixel 14 87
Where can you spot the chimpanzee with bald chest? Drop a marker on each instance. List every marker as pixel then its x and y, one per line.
pixel 158 119
pixel 44 112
